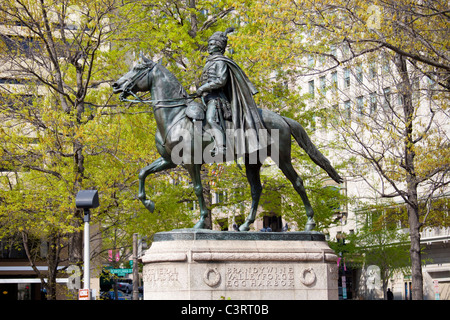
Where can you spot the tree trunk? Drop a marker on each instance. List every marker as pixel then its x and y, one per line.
pixel 416 259
pixel 76 238
pixel 76 241
pixel 411 198
pixel 53 262
pixel 194 27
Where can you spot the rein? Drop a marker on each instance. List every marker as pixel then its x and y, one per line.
pixel 170 103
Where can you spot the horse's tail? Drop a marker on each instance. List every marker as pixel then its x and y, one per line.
pixel 305 142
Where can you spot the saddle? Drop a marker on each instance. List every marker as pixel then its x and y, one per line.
pixel 195 111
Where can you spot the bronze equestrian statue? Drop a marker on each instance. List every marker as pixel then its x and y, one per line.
pixel 185 136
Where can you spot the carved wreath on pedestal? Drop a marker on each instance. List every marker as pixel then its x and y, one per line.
pixel 211 277
pixel 308 277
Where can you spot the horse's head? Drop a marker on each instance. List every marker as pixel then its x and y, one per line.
pixel 135 80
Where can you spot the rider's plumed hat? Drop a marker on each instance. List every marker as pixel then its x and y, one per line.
pixel 221 37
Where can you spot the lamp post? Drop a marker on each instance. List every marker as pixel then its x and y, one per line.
pixel 86 200
pixel 86 253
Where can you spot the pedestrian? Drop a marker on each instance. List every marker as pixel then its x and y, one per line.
pixel 390 295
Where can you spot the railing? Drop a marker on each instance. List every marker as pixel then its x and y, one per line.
pixel 435 234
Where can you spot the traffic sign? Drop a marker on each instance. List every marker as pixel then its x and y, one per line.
pixel 121 272
pixel 84 294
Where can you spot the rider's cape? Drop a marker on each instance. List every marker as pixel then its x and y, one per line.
pixel 245 114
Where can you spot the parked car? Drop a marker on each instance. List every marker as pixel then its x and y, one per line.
pixel 125 287
pixel 109 295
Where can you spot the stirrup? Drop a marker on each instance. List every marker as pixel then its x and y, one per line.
pixel 218 150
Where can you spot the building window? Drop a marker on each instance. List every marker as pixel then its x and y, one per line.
pixel 360 104
pixel 310 61
pixel 400 99
pixel 346 77
pixel 23 45
pixel 16 102
pixel 359 74
pixel 373 102
pixel 387 97
pixel 322 60
pixel 220 197
pixel 386 67
pixel 431 86
pixel 372 70
pixel 334 79
pixel 273 222
pixel 347 109
pixel 323 84
pixel 333 50
pixel 311 88
pixel 415 88
pixel 192 205
pixel 346 49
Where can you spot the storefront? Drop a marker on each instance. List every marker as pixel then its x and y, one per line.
pixel 23 289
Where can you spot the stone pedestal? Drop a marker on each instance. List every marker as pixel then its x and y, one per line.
pixel 192 264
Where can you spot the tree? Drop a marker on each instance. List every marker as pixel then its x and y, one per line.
pixel 409 151
pixel 379 242
pixel 57 135
pixel 404 143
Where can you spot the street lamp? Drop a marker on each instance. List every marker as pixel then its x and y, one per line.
pixel 86 199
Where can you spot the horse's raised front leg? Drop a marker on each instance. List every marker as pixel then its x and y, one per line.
pixel 194 171
pixel 253 176
pixel 159 165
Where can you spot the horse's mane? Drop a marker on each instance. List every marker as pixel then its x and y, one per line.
pixel 143 65
pixel 147 63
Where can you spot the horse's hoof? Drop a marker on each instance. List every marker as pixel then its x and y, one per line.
pixel 244 227
pixel 310 225
pixel 149 204
pixel 200 225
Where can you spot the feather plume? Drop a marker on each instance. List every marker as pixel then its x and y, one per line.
pixel 229 30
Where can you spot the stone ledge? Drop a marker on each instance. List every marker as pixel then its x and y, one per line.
pixel 262 256
pixel 205 234
pixel 164 257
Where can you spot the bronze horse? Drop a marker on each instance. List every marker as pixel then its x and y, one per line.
pixel 170 102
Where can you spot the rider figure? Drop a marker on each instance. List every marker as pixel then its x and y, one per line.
pixel 226 88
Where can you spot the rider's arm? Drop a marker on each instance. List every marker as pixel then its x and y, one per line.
pixel 218 80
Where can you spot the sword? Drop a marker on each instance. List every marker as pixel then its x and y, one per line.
pixel 222 124
pixel 221 120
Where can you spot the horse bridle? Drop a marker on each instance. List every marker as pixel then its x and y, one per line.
pixel 176 102
pixel 132 82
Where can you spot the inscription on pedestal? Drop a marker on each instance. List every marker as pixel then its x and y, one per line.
pixel 160 276
pixel 259 277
